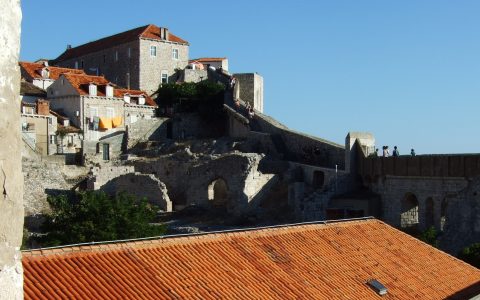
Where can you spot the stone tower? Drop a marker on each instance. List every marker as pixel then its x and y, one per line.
pixel 11 178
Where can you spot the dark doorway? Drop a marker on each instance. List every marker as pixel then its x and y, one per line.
pixel 169 130
pixel 106 151
pixel 409 213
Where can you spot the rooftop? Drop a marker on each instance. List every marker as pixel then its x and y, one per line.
pixel 34 70
pixel 206 59
pixel 29 89
pixel 148 31
pixel 324 260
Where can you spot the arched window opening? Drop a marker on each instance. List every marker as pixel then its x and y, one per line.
pixel 218 192
pixel 443 214
pixel 429 213
pixel 409 214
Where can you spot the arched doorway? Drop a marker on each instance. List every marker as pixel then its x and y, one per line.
pixel 318 179
pixel 443 214
pixel 218 192
pixel 409 212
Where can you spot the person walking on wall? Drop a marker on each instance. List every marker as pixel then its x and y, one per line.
pixel 395 151
pixel 386 153
pixel 412 152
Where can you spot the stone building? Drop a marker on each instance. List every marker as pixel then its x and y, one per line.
pixel 39 127
pixel 141 58
pixel 216 62
pixel 41 74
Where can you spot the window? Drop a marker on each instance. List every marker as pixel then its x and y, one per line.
pixel 81 64
pixel 110 112
pixel 104 58
pixel 175 53
pixel 76 65
pixel 153 51
pixel 129 53
pixel 70 140
pixel 53 139
pixel 93 112
pixel 116 55
pixel 50 121
pixel 164 77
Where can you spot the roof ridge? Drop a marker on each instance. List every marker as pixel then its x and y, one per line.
pixel 111 244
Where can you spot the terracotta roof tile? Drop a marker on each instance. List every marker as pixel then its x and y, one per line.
pixel 148 31
pixel 81 82
pixel 207 59
pixel 314 261
pixel 33 70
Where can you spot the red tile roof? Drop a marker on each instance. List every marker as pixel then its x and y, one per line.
pixel 34 70
pixel 148 31
pixel 311 261
pixel 207 59
pixel 81 83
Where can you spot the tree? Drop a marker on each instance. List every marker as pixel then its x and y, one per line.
pixel 94 216
pixel 430 236
pixel 471 254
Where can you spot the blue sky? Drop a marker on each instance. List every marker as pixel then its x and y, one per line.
pixel 406 71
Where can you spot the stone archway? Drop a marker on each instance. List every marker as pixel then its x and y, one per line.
pixel 429 213
pixel 218 192
pixel 409 211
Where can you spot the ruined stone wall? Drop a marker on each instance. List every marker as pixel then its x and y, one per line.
pixel 188 179
pixel 11 183
pixel 100 175
pixel 140 186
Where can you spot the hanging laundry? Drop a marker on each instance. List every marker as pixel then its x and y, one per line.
pixel 117 122
pixel 105 123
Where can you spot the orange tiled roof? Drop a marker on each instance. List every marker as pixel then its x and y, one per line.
pixel 81 82
pixel 33 70
pixel 314 261
pixel 148 31
pixel 206 59
pixel 121 92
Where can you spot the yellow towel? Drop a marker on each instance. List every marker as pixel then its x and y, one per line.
pixel 105 123
pixel 117 121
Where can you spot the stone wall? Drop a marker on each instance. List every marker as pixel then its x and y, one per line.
pixel 146 130
pixel 151 67
pixel 192 125
pixel 133 113
pixel 100 175
pixel 11 183
pixel 300 147
pixel 461 165
pixel 189 179
pixel 416 201
pixel 251 89
pixel 462 226
pixel 190 75
pixel 45 177
pixel 141 186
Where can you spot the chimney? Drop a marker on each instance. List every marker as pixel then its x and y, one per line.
pixel 166 33
pixel 43 107
pixel 69 47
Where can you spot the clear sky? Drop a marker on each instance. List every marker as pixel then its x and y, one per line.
pixel 406 71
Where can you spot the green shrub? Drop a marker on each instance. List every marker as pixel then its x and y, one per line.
pixel 430 236
pixel 471 255
pixel 94 216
